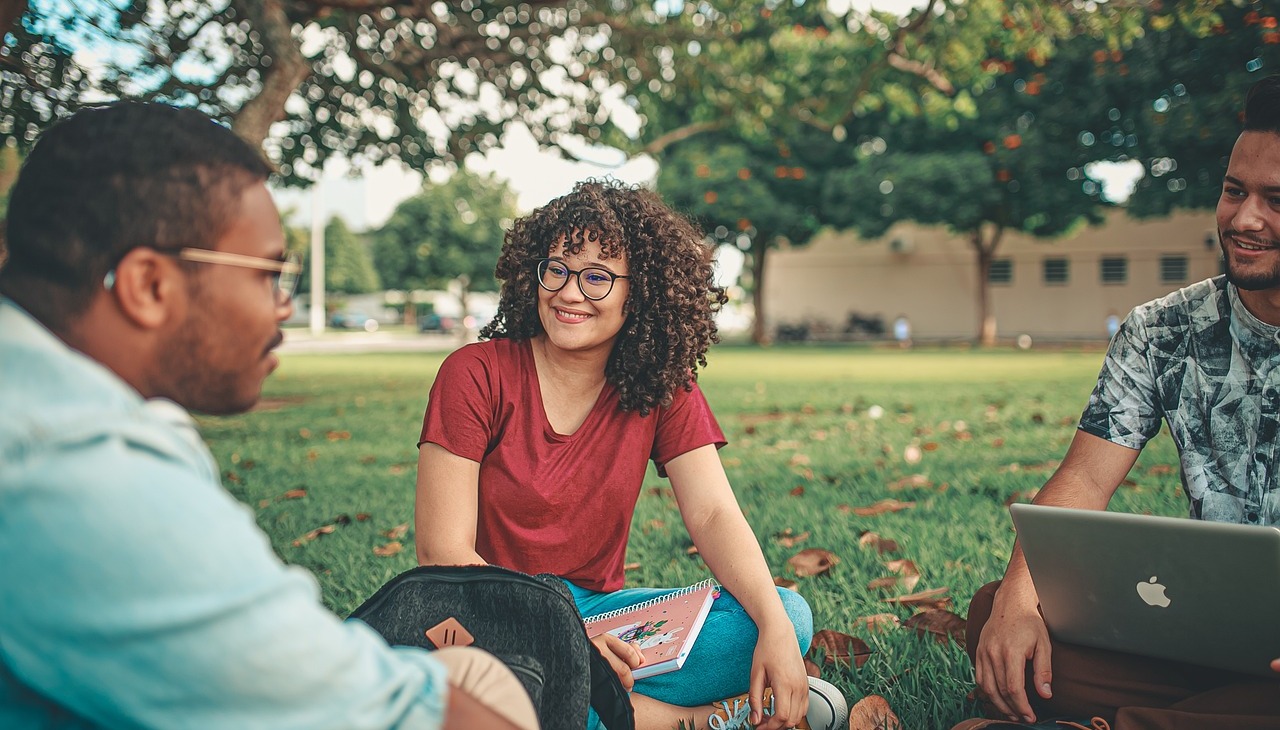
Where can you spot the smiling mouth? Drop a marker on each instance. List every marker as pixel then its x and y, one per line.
pixel 1252 245
pixel 574 316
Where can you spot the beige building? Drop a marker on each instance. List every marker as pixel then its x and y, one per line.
pixel 1054 289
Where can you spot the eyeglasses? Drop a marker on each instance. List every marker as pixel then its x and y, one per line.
pixel 288 271
pixel 594 282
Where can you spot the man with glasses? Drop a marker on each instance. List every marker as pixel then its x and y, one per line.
pixel 147 275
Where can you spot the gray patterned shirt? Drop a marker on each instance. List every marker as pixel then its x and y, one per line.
pixel 1201 361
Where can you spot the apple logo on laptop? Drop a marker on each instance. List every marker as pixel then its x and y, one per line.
pixel 1152 593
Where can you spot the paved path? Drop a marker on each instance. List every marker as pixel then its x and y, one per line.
pixel 303 342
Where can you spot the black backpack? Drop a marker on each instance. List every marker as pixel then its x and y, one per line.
pixel 529 622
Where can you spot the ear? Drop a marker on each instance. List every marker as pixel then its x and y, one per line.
pixel 150 288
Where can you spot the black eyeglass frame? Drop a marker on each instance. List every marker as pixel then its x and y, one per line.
pixel 540 265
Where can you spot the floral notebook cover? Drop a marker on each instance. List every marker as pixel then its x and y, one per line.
pixel 663 628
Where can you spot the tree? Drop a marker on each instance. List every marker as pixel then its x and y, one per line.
pixel 1016 160
pixel 749 195
pixel 372 79
pixel 450 232
pixel 1187 79
pixel 348 263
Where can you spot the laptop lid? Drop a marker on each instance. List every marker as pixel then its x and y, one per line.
pixel 1181 589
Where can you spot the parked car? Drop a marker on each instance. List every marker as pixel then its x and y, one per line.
pixel 354 321
pixel 433 322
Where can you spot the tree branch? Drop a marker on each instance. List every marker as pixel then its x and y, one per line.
pixel 678 135
pixel 11 12
pixel 288 69
pixel 924 71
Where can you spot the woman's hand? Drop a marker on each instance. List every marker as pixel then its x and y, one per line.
pixel 777 664
pixel 622 657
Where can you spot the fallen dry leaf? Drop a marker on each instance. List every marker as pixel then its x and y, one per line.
pixel 799 460
pixel 873 713
pixel 813 561
pixel 313 534
pixel 304 433
pixel 294 494
pixel 363 516
pixel 691 550
pixel 338 435
pixel 391 548
pixel 785 583
pixel 368 459
pixel 811 669
pixel 1160 469
pixel 882 545
pixel 263 503
pixel 944 625
pixel 631 566
pixel 878 622
pixel 908 576
pixel 884 505
pixel 915 481
pixel 797 492
pixel 397 532
pixel 932 598
pixel 840 648
pixel 787 539
pixel 1022 495
pixel 997 442
pixel 929 446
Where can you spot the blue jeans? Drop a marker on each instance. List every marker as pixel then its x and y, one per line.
pixel 719 665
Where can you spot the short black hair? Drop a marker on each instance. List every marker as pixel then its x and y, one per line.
pixel 1262 106
pixel 109 179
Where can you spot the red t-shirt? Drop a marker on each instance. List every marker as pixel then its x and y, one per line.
pixel 551 503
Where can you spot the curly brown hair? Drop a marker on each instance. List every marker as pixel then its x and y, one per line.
pixel 670 311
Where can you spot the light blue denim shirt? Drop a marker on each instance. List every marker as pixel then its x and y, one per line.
pixel 135 592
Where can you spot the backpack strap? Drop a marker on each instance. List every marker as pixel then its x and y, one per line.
pixel 608 698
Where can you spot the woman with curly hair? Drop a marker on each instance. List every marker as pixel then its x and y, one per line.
pixel 535 444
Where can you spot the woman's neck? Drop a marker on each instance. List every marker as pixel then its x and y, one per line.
pixel 584 369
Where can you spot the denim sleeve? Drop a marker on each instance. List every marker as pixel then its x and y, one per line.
pixel 1124 407
pixel 139 593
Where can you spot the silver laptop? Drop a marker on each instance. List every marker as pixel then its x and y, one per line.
pixel 1205 593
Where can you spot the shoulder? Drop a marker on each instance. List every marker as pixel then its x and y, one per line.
pixel 1203 301
pixel 57 400
pixel 488 354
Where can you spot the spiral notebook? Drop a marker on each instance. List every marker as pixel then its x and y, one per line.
pixel 663 628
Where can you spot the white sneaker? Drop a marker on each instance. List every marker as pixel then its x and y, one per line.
pixel 827 709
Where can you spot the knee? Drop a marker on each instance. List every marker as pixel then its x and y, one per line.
pixel 801 616
pixel 979 612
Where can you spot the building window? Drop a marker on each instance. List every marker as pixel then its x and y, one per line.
pixel 1115 270
pixel 1056 271
pixel 1173 269
pixel 1001 272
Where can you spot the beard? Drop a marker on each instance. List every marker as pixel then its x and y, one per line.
pixel 207 368
pixel 1249 280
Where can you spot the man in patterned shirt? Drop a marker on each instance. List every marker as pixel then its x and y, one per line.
pixel 1205 359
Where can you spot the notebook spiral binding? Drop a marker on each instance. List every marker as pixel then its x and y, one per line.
pixel 652 601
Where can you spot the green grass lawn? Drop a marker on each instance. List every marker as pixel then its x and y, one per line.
pixel 804 449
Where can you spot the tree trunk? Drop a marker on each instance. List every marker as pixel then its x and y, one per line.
pixel 11 12
pixel 985 250
pixel 286 70
pixel 759 334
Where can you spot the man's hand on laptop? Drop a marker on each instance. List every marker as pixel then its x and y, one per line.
pixel 1012 636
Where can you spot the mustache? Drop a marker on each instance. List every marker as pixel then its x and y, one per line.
pixel 1250 239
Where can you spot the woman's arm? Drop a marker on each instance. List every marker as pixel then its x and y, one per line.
pixel 445 509
pixel 729 547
